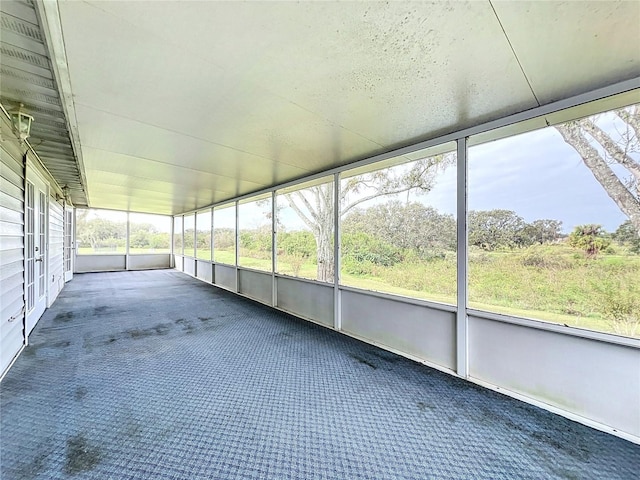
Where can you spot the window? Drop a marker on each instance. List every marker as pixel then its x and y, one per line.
pixel 305 229
pixel 203 235
pixel 189 234
pixel 398 230
pixel 149 233
pixel 546 239
pixel 101 232
pixel 177 235
pixel 224 234
pixel 254 221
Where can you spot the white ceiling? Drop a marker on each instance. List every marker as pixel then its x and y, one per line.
pixel 183 104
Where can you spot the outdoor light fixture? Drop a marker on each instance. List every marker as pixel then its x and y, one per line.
pixel 21 123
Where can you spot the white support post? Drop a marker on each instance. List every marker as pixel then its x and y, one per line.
pixel 211 237
pixel 462 345
pixel 172 260
pixel 195 244
pixel 211 246
pixel 182 238
pixel 237 245
pixel 337 307
pixel 126 244
pixel 274 250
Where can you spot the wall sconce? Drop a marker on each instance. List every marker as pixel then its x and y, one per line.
pixel 65 195
pixel 21 123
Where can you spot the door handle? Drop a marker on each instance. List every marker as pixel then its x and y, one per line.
pixel 39 259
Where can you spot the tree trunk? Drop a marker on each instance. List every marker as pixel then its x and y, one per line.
pixel 625 200
pixel 324 243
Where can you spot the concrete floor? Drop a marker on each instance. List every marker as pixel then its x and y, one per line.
pixel 157 375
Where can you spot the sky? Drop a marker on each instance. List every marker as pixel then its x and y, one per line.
pixel 535 174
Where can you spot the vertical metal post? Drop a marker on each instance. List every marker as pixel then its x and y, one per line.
pixel 126 243
pixel 337 301
pixel 237 245
pixel 195 244
pixel 193 253
pixel 182 239
pixel 212 244
pixel 172 262
pixel 211 235
pixel 462 345
pixel 274 249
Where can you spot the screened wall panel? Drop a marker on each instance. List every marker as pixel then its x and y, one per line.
pixel 179 262
pixel 312 300
pixel 149 234
pixel 189 266
pixel 203 234
pixel 423 332
pixel 204 270
pixel 224 234
pixel 177 235
pixel 100 232
pixel 398 225
pixel 189 235
pixel 225 276
pixel 305 230
pixel 254 235
pixel 151 261
pixel 100 263
pixel 256 285
pixel 594 379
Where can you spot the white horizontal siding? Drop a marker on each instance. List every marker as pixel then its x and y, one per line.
pixel 11 253
pixel 56 250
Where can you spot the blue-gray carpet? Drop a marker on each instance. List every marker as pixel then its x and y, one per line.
pixel 157 375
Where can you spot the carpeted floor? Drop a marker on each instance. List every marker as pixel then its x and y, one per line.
pixel 157 375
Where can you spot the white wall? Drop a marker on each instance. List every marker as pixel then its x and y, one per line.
pixel 11 252
pixel 55 277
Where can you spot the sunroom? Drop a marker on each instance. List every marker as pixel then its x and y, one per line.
pixel 320 240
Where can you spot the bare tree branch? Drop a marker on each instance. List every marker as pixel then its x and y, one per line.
pixel 612 148
pixel 632 118
pixel 371 197
pixel 572 134
pixel 308 222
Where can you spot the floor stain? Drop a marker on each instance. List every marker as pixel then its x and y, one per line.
pixel 63 317
pixel 160 329
pixel 80 455
pixel 81 392
pixel 364 361
pixel 186 325
pixel 422 406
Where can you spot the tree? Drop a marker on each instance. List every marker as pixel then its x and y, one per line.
pixel 625 234
pixel 494 229
pixel 541 231
pixel 315 205
pixel 405 225
pixel 98 232
pixel 590 238
pixel 600 152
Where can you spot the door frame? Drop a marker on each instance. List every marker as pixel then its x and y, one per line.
pixel 68 234
pixel 34 177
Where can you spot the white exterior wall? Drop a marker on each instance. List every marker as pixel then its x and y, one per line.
pixel 11 252
pixel 55 276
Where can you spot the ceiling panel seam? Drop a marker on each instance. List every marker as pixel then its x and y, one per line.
pixel 186 136
pixel 514 53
